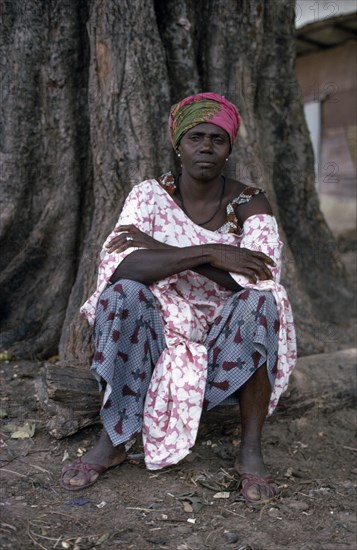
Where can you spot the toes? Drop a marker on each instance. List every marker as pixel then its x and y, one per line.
pixel 82 479
pixel 78 478
pixel 258 493
pixel 67 477
pixel 258 490
pixel 254 493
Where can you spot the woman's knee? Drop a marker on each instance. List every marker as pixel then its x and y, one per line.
pixel 126 290
pixel 128 285
pixel 257 298
pixel 270 302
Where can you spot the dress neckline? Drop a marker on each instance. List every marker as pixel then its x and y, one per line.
pixel 167 182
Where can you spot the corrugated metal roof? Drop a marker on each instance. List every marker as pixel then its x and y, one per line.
pixel 326 34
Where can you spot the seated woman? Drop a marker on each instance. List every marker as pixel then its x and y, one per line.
pixel 188 309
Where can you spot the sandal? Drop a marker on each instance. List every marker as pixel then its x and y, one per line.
pixel 80 466
pixel 248 480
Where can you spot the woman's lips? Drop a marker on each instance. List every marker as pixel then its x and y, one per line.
pixel 205 163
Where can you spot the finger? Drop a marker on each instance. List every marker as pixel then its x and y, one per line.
pixel 130 227
pixel 259 268
pixel 259 260
pixel 265 272
pixel 264 257
pixel 268 272
pixel 124 246
pixel 259 255
pixel 118 246
pixel 247 272
pixel 252 277
pixel 115 242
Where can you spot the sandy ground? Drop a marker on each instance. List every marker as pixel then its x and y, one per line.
pixel 192 506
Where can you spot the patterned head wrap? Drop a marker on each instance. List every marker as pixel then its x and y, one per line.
pixel 204 107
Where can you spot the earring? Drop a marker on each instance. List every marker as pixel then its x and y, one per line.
pixel 178 154
pixel 227 159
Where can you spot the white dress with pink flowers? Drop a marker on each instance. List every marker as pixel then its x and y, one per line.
pixel 190 306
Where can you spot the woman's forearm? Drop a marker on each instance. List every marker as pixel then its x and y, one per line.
pixel 214 261
pixel 222 278
pixel 150 266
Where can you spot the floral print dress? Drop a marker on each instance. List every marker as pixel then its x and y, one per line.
pixel 167 350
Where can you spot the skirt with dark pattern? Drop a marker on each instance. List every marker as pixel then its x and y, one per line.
pixel 129 339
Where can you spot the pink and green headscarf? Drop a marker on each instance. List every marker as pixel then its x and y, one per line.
pixel 204 107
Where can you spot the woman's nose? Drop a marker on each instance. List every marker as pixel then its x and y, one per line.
pixel 206 144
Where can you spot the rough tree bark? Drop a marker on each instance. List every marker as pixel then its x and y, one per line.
pixel 87 86
pixel 46 192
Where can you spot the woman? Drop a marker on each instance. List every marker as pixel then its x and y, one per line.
pixel 188 309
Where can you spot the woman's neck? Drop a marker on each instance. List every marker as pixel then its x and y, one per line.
pixel 194 203
pixel 200 190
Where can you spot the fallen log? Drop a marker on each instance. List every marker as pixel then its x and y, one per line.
pixel 70 397
pixel 326 380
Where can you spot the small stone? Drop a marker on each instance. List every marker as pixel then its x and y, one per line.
pixel 231 537
pixel 347 484
pixel 81 451
pixel 222 494
pixel 190 457
pixel 155 506
pixel 157 541
pixel 184 529
pixel 224 452
pixel 298 505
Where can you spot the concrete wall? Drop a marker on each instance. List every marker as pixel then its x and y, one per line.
pixel 329 77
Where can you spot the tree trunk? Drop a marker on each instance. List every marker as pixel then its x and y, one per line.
pixel 87 86
pixel 129 102
pixel 70 397
pixel 46 192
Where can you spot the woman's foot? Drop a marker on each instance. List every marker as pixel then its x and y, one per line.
pixel 80 475
pixel 256 484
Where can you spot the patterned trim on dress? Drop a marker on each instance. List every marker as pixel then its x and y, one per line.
pixel 167 182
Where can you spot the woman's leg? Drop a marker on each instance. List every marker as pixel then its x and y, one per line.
pixel 253 403
pixel 242 352
pixel 128 339
pixel 254 398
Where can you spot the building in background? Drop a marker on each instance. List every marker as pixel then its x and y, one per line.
pixel 326 62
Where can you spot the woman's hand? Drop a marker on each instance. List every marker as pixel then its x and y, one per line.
pixel 132 236
pixel 251 264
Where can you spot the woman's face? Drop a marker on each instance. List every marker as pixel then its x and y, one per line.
pixel 204 150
